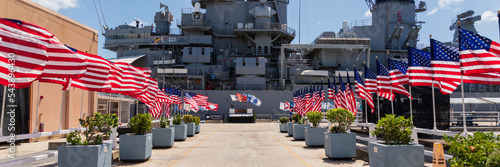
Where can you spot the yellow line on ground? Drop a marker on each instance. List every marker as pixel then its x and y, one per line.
pixel 296 156
pixel 183 155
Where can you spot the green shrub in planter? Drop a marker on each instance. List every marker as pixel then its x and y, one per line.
pixel 339 143
pixel 92 149
pixel 197 125
pixel 196 120
pixel 397 149
pixel 283 124
pixel 494 159
pixel 188 119
pixel 473 150
pixel 164 122
pixel 395 130
pixel 177 120
pixel 140 124
pixel 284 120
pixel 314 117
pixel 296 118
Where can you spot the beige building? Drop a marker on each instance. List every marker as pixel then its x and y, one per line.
pixel 50 96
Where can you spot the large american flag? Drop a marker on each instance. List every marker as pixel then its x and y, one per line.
pixel 445 61
pixel 30 55
pixel 362 93
pixel 370 80
pixel 331 92
pixel 398 71
pixel 133 80
pixel 478 54
pixel 351 100
pixel 383 84
pixel 343 98
pixel 62 61
pixel 96 77
pixel 190 101
pixel 200 99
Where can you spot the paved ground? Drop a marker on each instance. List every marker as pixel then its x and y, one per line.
pixel 217 145
pixel 258 144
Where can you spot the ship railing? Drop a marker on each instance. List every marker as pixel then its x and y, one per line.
pixel 191 10
pixel 359 23
pixel 194 23
pixel 473 118
pixel 298 61
pixel 282 27
pixel 247 51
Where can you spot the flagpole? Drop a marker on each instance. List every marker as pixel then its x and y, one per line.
pixel 462 83
pixel 411 107
pixel 378 99
pixel 81 109
pixel 3 109
pixel 37 103
pixel 434 107
pixel 390 85
pixel 62 105
pixel 499 19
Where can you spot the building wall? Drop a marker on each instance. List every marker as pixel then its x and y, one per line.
pixel 73 34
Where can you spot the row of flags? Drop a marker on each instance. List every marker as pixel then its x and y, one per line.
pixel 29 52
pixel 244 97
pixel 309 98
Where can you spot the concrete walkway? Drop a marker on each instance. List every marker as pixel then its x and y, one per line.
pixel 259 144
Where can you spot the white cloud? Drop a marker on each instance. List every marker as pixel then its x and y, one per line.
pixel 489 16
pixel 442 4
pixel 430 13
pixel 56 5
pixel 446 3
pixel 368 13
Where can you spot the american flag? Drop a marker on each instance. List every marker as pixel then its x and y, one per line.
pixel 342 95
pixel 362 93
pixel 30 56
pixel 370 80
pixel 319 99
pixel 398 72
pixel 201 100
pixel 420 72
pixel 351 100
pixel 478 54
pixel 96 77
pixel 65 82
pixel 446 67
pixel 133 80
pixel 336 96
pixel 190 101
pixel 331 92
pixel 62 61
pixel 384 86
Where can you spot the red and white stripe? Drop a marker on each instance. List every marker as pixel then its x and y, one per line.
pixel 398 78
pixel 201 100
pixel 371 85
pixel 96 77
pixel 351 100
pixel 22 59
pixel 365 95
pixel 133 80
pixel 384 87
pixel 481 61
pixel 62 63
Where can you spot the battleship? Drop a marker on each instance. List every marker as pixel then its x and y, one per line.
pixel 222 47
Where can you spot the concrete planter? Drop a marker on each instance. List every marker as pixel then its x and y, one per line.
pixel 163 137
pixel 314 136
pixel 84 155
pixel 283 128
pixel 190 129
pixel 340 145
pixel 290 128
pixel 135 147
pixel 381 155
pixel 197 129
pixel 299 131
pixel 180 132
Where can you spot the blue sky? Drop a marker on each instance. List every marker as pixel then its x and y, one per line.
pixel 317 15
